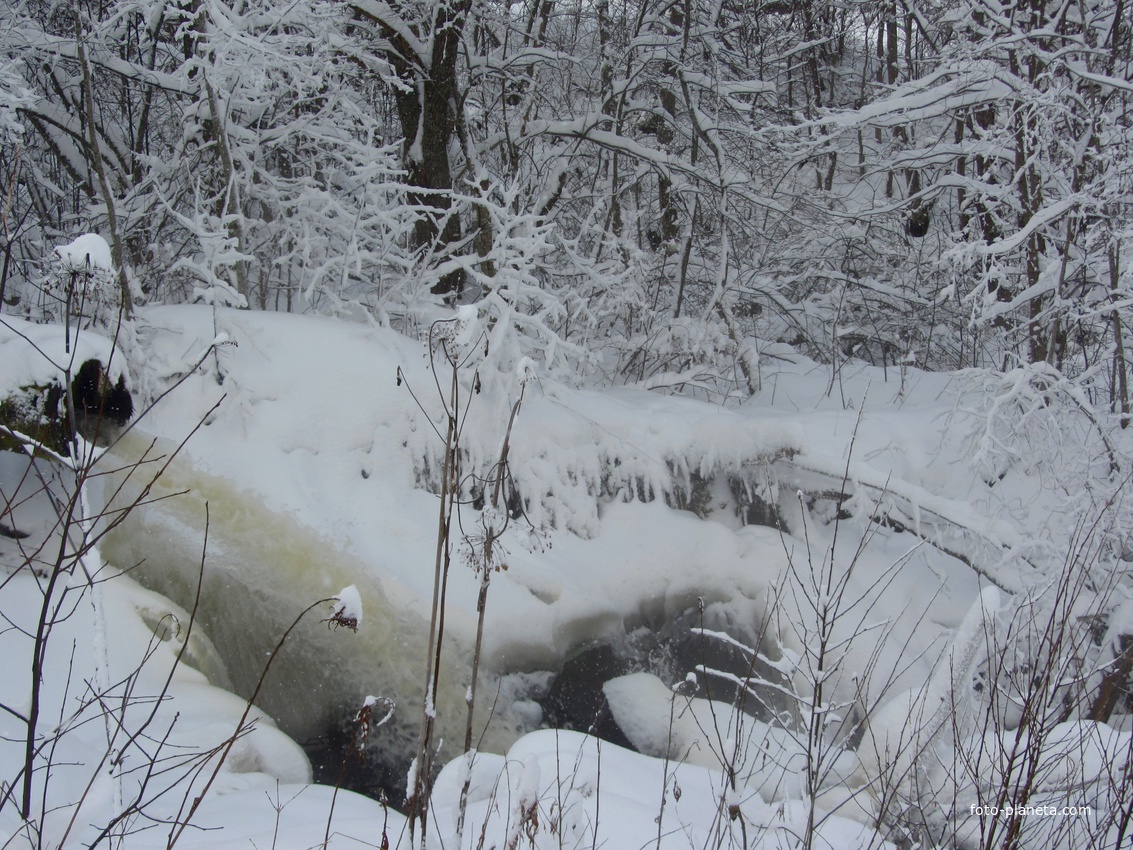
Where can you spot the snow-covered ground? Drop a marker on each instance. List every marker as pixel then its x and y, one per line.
pixel 316 451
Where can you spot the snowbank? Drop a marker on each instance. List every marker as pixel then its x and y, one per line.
pixel 35 355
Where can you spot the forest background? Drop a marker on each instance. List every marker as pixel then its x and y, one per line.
pixel 683 197
pixel 656 192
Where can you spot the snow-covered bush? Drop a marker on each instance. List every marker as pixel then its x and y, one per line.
pixel 81 284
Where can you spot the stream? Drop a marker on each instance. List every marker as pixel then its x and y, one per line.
pixel 262 568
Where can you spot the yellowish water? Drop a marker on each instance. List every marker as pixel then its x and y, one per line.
pixel 261 569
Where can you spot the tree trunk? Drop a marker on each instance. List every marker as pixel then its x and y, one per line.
pixel 427 111
pixel 1115 682
pixel 94 153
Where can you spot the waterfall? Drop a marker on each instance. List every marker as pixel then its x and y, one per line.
pixel 261 569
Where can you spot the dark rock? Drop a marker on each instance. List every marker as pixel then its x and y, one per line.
pixel 96 397
pixel 576 700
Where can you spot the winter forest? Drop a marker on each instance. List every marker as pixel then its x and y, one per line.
pixel 557 424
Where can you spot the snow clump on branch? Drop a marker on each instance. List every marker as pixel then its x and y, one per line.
pixel 347 609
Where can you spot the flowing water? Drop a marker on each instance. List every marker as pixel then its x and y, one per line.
pixel 261 569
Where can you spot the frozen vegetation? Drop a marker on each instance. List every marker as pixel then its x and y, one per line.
pixel 825 616
pixel 451 424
